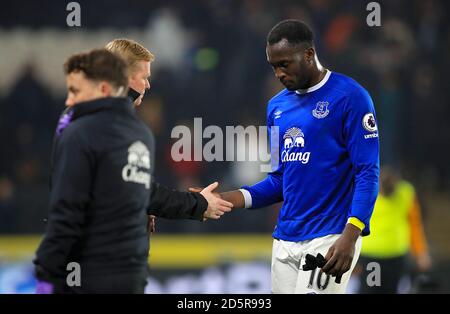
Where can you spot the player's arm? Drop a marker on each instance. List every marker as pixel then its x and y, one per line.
pixel 361 137
pixel 235 197
pixel 173 204
pixel 264 193
pixel 71 183
pixel 361 133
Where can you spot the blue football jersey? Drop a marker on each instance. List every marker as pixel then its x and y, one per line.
pixel 328 152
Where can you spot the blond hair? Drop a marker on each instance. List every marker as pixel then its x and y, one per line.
pixel 131 51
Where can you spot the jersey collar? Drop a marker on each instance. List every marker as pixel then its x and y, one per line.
pixel 317 86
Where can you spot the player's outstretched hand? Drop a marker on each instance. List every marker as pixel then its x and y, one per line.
pixel 216 206
pixel 198 190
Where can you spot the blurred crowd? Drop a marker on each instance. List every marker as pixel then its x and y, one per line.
pixel 212 64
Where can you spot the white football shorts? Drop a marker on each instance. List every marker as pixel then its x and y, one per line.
pixel 288 259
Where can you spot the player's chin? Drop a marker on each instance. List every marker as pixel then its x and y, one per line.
pixel 290 86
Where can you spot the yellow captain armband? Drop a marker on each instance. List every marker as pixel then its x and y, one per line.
pixel 356 222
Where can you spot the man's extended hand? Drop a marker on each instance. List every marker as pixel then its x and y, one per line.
pixel 198 190
pixel 234 197
pixel 216 206
pixel 340 255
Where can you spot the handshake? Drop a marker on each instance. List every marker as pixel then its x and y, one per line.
pixel 217 206
pixel 218 203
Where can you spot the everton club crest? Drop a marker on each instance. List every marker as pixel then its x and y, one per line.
pixel 321 110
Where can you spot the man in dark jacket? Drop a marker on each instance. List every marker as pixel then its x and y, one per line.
pixel 164 203
pixel 101 186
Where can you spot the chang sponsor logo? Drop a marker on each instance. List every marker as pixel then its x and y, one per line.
pixel 293 139
pixel 302 157
pixel 138 158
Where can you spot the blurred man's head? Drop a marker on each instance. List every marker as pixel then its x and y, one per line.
pixel 95 74
pixel 139 61
pixel 290 51
pixel 389 178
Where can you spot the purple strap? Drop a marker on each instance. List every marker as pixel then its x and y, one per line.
pixel 43 287
pixel 64 122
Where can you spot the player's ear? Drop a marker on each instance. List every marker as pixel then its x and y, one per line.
pixel 105 88
pixel 310 55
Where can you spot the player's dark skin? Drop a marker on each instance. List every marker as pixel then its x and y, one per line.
pixel 296 67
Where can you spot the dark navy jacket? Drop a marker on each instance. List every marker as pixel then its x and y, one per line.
pixel 102 191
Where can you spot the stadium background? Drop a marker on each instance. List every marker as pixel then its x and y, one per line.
pixel 210 63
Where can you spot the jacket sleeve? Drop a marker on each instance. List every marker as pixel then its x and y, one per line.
pixel 69 196
pixel 172 204
pixel 361 139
